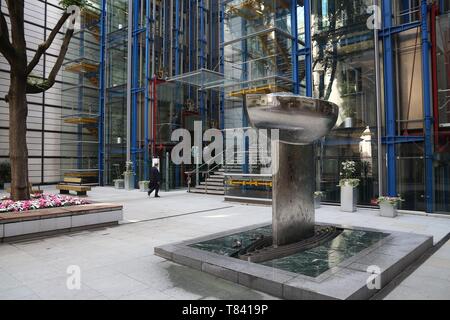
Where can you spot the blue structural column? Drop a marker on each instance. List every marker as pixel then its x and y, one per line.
pixel 202 59
pixel 389 100
pixel 135 90
pixel 176 40
pixel 426 84
pixel 147 76
pixel 306 51
pixel 222 63
pixel 101 108
pixel 308 48
pixel 294 31
pixel 246 69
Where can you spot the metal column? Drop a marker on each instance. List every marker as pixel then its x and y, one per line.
pixel 294 31
pixel 427 107
pixel 389 100
pixel 222 65
pixel 306 51
pixel 101 109
pixel 147 75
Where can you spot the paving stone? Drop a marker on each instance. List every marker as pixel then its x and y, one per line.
pixel 119 249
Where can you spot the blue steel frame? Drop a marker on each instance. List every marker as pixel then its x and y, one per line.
pixel 148 79
pixel 388 64
pixel 244 77
pixel 202 59
pixel 294 31
pixel 306 51
pixel 136 89
pixel 427 108
pixel 391 139
pixel 222 63
pixel 101 109
pixel 176 38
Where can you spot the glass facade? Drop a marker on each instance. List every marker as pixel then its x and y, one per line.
pixel 442 140
pixel 344 73
pixel 115 90
pixel 80 97
pixel 238 47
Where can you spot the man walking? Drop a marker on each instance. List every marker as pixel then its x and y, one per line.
pixel 155 179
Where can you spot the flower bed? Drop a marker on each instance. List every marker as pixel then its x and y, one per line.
pixel 40 201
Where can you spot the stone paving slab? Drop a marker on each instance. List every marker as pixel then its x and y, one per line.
pixel 178 216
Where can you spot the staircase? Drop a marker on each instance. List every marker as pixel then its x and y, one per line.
pixel 214 182
pixel 212 185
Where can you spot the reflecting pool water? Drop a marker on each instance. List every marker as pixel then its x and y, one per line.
pixel 310 262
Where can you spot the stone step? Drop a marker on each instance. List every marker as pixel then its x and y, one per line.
pixel 203 191
pixel 214 179
pixel 212 183
pixel 212 187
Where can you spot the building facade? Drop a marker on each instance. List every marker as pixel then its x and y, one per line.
pixel 139 69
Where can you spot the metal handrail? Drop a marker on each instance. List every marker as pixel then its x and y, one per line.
pixel 206 174
pixel 189 173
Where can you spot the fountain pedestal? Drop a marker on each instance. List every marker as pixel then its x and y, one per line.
pixel 293 192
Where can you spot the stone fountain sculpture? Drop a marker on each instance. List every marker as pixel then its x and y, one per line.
pixel 301 121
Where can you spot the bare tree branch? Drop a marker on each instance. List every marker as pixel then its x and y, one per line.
pixel 44 46
pixel 50 81
pixel 6 47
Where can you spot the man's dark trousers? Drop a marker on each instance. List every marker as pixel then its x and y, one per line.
pixel 154 186
pixel 155 179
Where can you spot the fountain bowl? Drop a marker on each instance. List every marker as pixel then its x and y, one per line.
pixel 300 120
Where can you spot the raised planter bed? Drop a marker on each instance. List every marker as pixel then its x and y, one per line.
pixel 14 225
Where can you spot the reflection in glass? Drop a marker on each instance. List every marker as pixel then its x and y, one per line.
pixel 344 73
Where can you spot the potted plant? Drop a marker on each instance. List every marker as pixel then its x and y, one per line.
pixel 129 176
pixel 388 205
pixel 119 183
pixel 348 115
pixel 348 183
pixel 144 186
pixel 318 198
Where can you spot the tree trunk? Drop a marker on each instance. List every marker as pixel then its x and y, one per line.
pixel 18 151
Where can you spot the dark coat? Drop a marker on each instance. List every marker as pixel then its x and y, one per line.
pixel 155 176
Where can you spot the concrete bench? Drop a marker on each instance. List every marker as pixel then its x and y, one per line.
pixel 36 223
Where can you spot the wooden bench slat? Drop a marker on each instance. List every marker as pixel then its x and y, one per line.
pixel 73 187
pixel 73 179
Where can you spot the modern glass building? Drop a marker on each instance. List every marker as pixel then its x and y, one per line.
pixel 139 69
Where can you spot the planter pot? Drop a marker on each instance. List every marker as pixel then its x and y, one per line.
pixel 348 122
pixel 388 210
pixel 144 186
pixel 128 180
pixel 349 197
pixel 317 201
pixel 119 184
